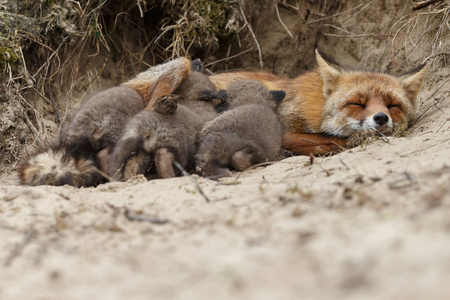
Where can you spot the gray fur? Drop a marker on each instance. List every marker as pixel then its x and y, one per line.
pixel 193 91
pixel 83 148
pixel 249 92
pixel 247 134
pixel 163 137
pixel 100 120
pixel 170 132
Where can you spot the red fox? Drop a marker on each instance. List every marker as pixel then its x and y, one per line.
pixel 323 107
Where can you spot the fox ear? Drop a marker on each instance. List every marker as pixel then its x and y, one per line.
pixel 413 80
pixel 278 96
pixel 329 73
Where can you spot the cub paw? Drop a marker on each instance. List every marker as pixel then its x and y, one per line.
pixel 166 105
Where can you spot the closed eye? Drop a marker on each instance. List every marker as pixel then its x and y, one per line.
pixel 356 104
pixel 394 105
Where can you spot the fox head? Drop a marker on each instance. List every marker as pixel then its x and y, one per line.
pixel 360 100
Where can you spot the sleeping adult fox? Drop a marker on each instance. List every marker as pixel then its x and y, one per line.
pixel 325 106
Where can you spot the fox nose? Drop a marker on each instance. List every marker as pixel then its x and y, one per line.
pixel 381 118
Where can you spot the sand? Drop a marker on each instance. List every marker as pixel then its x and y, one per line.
pixel 372 222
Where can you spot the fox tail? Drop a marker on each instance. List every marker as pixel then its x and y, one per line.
pixel 55 166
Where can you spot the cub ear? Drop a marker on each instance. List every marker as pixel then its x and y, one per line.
pixel 206 95
pixel 329 72
pixel 196 65
pixel 219 105
pixel 412 81
pixel 278 96
pixel 222 94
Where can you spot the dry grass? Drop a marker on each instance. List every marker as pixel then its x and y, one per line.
pixel 198 24
pixel 426 29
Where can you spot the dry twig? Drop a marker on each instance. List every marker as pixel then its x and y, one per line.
pixel 254 37
pixel 142 218
pixel 342 12
pixel 228 58
pixel 424 4
pixel 282 23
pixel 197 186
pixel 429 107
pixel 406 180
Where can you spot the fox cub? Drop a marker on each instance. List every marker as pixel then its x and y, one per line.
pixel 74 158
pixel 169 132
pixel 248 133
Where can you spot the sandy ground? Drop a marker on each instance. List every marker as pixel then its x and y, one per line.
pixel 370 223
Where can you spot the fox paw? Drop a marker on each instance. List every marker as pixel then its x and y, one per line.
pixel 166 105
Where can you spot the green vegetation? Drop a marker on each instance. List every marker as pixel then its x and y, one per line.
pixel 200 23
pixel 7 57
pixel 202 17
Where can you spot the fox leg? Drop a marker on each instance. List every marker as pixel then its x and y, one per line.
pixel 160 80
pixel 217 99
pixel 168 82
pixel 104 158
pixel 245 158
pixel 164 159
pixel 312 143
pixel 212 155
pixel 124 150
pixel 143 163
pixel 211 168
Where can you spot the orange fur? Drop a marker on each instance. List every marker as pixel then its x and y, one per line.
pixel 310 143
pixel 298 113
pixel 323 107
pixel 160 80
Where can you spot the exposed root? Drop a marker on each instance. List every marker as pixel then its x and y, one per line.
pixel 254 37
